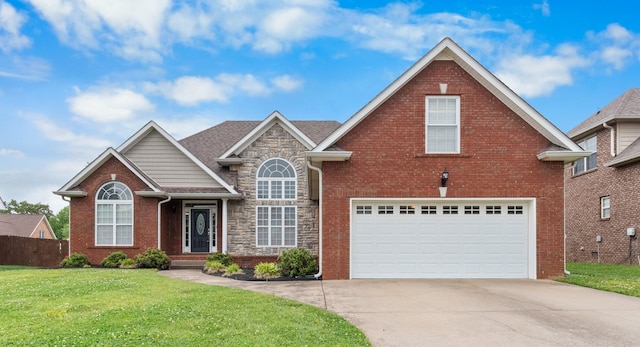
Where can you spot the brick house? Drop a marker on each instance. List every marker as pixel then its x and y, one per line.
pixel 601 191
pixel 26 225
pixel 446 173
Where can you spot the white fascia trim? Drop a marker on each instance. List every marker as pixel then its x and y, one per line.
pixel 328 155
pixel 93 166
pixel 148 194
pixel 154 126
pixel 274 118
pixel 565 156
pixel 205 196
pixel 531 116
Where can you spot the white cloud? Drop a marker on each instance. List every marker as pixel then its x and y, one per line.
pixel 11 152
pixel 107 104
pixel 284 26
pixel 11 22
pixel 615 46
pixel 543 7
pixel 58 133
pixel 131 29
pixel 194 90
pixel 24 68
pixel 286 83
pixel 532 76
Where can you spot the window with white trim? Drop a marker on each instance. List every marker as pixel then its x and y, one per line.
pixel 442 124
pixel 590 162
pixel 276 226
pixel 605 207
pixel 114 215
pixel 276 180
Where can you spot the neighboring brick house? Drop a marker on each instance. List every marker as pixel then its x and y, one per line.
pixel 368 197
pixel 26 225
pixel 602 191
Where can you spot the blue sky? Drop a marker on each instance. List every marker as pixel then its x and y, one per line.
pixel 78 76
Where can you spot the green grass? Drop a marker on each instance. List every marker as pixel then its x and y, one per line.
pixel 14 267
pixel 623 279
pixel 91 307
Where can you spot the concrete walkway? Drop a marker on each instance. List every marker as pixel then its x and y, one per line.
pixel 463 312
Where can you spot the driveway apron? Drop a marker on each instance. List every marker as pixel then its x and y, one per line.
pixel 463 312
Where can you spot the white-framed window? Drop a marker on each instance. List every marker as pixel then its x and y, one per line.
pixel 42 234
pixel 590 162
pixel 442 124
pixel 605 207
pixel 114 215
pixel 276 180
pixel 276 226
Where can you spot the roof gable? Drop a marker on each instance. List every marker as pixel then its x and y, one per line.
pixel 449 50
pixel 167 161
pixel 625 106
pixel 23 225
pixel 274 118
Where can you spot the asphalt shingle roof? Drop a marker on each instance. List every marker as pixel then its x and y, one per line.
pixel 19 224
pixel 626 106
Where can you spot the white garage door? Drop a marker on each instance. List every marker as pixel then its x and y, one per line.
pixel 435 239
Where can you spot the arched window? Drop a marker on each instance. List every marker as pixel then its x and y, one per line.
pixel 276 180
pixel 114 215
pixel 276 225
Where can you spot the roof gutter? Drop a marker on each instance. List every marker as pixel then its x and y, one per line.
pixel 319 274
pixel 613 134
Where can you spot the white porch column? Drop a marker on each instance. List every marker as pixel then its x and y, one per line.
pixel 224 225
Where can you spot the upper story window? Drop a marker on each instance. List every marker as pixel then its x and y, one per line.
pixel 276 180
pixel 114 215
pixel 605 207
pixel 590 162
pixel 442 124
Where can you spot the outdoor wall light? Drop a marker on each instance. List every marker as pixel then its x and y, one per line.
pixel 444 178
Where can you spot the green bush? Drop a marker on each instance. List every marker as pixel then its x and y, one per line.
pixel 127 263
pixel 223 258
pixel 75 260
pixel 153 258
pixel 114 259
pixel 266 271
pixel 213 266
pixel 232 269
pixel 297 262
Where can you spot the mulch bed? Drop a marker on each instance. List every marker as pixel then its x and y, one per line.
pixel 247 275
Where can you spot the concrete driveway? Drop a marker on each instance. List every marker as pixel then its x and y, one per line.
pixel 463 312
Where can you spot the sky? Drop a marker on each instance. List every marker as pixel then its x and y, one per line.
pixel 79 76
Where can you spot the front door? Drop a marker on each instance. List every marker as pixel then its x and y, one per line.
pixel 200 228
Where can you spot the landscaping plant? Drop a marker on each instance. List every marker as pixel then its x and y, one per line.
pixel 153 258
pixel 75 260
pixel 224 258
pixel 266 271
pixel 114 259
pixel 297 262
pixel 213 266
pixel 127 264
pixel 232 269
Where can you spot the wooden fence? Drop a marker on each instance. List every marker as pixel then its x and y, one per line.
pixel 47 253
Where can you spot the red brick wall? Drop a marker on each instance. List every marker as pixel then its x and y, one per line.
pixel 583 193
pixel 497 159
pixel 82 211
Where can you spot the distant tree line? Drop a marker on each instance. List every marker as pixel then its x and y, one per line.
pixel 59 222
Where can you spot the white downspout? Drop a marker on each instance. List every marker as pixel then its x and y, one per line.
pixel 564 217
pixel 68 221
pixel 319 219
pixel 160 219
pixel 613 135
pixel 224 225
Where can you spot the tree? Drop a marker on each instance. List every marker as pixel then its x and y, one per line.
pixel 60 223
pixel 24 207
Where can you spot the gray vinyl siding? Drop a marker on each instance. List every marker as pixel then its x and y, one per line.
pixel 165 164
pixel 627 133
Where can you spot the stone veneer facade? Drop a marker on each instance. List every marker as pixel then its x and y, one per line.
pixel 276 142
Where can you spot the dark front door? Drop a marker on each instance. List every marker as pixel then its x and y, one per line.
pixel 200 225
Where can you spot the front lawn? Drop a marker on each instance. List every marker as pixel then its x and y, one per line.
pixel 91 307
pixel 623 279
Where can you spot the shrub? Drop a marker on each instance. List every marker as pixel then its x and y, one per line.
pixel 213 266
pixel 296 262
pixel 223 258
pixel 232 269
pixel 153 258
pixel 114 259
pixel 127 263
pixel 266 271
pixel 75 260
